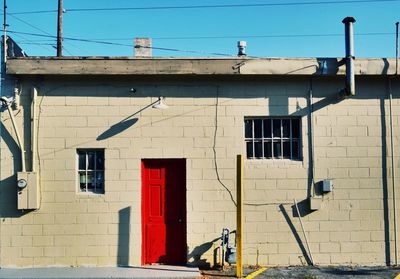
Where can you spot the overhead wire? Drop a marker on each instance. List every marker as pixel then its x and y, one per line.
pixel 112 41
pixel 250 5
pixel 30 25
pixel 109 41
pixel 35 43
pixel 125 45
pixel 270 36
pixel 250 36
pixel 43 46
pixel 38 29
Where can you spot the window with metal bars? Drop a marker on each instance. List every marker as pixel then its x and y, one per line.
pixel 91 170
pixel 272 138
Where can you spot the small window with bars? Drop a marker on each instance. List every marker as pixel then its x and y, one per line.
pixel 91 170
pixel 272 138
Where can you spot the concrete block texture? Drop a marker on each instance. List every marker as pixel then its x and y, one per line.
pixel 204 125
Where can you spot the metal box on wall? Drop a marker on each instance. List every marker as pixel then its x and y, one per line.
pixel 28 190
pixel 327 185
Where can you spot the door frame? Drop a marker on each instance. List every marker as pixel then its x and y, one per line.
pixel 143 224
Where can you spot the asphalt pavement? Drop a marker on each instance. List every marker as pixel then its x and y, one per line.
pixel 341 272
pixel 330 272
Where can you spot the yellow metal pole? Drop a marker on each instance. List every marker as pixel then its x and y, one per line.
pixel 239 215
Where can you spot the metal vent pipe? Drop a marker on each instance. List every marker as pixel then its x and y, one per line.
pixel 242 48
pixel 350 89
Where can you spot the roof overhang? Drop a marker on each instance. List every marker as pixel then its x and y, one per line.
pixel 195 66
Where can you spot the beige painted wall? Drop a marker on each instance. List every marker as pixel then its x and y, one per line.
pixel 71 229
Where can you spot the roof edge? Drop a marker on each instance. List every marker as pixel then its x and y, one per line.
pixel 195 66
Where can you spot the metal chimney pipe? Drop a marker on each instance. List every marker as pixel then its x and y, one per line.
pixel 350 89
pixel 242 48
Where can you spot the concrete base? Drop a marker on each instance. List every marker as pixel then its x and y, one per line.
pixel 158 271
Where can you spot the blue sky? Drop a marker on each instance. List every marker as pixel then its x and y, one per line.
pixel 120 27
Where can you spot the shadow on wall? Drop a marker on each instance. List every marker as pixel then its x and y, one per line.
pixel 194 257
pixel 123 124
pixel 385 194
pixel 304 208
pixel 295 234
pixel 8 189
pixel 124 216
pixel 117 128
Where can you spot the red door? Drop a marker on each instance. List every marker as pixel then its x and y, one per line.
pixel 164 211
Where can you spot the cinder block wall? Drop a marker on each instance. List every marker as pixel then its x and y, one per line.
pixel 205 125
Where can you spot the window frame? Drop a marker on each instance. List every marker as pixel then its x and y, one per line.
pixel 96 190
pixel 273 139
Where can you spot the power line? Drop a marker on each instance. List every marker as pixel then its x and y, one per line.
pixel 34 12
pixel 252 5
pixel 38 41
pixel 68 38
pixel 271 36
pixel 125 45
pixel 44 46
pixel 32 26
pixel 38 29
pixel 35 43
pixel 109 41
pixel 252 36
pixel 105 42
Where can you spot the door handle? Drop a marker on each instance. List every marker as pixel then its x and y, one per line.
pixel 179 220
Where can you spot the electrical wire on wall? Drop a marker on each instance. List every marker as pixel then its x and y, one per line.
pixel 216 163
pixel 38 149
pixel 215 149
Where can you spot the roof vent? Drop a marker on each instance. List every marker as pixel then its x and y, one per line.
pixel 143 47
pixel 242 48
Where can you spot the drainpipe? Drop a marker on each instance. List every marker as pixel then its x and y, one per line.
pixel 34 94
pixel 7 104
pixel 349 90
pixel 311 137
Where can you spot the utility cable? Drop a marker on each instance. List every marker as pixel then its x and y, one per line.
pixel 125 45
pixel 268 36
pixel 36 28
pixel 30 25
pixel 214 148
pixel 42 45
pixel 216 162
pixel 250 5
pixel 110 42
pixel 244 36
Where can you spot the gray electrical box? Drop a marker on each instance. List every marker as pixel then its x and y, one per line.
pixel 327 186
pixel 28 190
